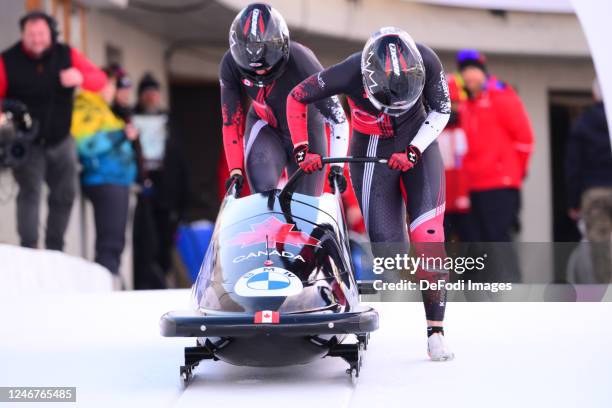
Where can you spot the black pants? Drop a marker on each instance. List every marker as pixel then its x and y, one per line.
pixel 459 227
pixel 495 213
pixel 55 165
pixel 110 203
pixel 152 241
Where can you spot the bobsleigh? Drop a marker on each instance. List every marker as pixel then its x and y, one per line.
pixel 277 285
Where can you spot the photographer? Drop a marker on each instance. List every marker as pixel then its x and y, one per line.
pixel 43 74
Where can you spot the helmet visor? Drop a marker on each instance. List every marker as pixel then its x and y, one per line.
pixel 393 71
pixel 259 38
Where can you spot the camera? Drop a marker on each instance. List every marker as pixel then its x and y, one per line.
pixel 17 132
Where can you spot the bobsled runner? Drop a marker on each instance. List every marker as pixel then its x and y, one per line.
pixel 277 284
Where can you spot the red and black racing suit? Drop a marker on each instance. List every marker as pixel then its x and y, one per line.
pixel 378 187
pixel 267 147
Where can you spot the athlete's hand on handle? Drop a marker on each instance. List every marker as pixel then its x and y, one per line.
pixel 336 173
pixel 308 162
pixel 406 160
pixel 235 174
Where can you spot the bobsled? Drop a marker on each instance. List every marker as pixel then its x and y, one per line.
pixel 276 286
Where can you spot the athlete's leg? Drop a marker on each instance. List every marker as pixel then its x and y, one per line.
pixel 264 155
pixel 425 191
pixel 311 184
pixel 377 188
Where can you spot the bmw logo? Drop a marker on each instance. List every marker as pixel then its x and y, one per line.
pixel 268 281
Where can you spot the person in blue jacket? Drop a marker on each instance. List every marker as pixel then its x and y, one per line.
pixel 105 150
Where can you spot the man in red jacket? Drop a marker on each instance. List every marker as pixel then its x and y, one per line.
pixel 43 74
pixel 500 141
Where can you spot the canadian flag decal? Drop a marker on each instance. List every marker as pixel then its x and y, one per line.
pixel 266 316
pixel 273 231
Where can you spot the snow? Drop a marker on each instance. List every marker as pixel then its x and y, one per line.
pixel 507 355
pixel 26 270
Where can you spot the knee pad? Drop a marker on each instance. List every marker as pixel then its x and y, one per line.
pixel 431 230
pixel 428 237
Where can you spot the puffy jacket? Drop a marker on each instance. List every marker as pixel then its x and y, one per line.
pixel 106 155
pixel 500 138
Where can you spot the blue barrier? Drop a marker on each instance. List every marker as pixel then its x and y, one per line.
pixel 192 242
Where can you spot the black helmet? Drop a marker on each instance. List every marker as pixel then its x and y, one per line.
pixel 392 70
pixel 259 40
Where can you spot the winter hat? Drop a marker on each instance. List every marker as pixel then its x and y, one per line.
pixel 471 58
pixel 117 72
pixel 147 82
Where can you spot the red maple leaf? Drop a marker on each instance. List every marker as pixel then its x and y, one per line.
pixel 273 231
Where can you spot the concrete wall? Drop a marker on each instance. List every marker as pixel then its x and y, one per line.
pixel 142 52
pixel 10 11
pixel 196 63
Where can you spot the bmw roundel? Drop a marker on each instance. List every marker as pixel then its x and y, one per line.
pixel 268 282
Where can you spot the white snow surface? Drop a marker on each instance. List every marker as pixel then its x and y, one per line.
pixel 26 270
pixel 507 355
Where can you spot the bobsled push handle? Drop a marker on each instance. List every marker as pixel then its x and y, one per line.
pixel 287 191
pixel 233 189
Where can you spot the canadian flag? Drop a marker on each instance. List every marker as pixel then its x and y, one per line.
pixel 267 316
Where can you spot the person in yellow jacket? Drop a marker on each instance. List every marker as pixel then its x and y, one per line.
pixel 106 154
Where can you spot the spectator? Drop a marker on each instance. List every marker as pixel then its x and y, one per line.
pixel 453 147
pixel 500 142
pixel 589 181
pixel 153 229
pixel 121 105
pixel 149 96
pixel 43 74
pixel 122 108
pixel 108 168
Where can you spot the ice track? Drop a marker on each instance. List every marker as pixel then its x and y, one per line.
pixel 507 355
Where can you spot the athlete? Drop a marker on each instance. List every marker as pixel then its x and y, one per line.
pixel 265 66
pixel 399 102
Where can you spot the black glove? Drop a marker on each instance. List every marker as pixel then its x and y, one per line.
pixel 239 182
pixel 336 173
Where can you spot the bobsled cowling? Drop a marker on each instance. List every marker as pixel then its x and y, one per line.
pixel 261 259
